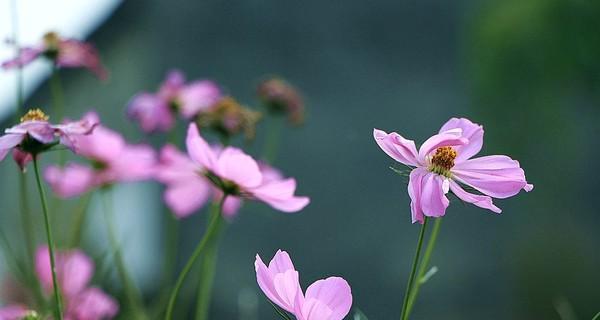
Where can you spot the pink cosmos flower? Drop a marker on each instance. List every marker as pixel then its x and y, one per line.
pixel 113 160
pixel 237 174
pixel 13 312
pixel 74 271
pixel 67 53
pixel 327 299
pixel 444 163
pixel 35 134
pixel 155 111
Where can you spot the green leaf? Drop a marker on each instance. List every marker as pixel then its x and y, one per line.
pixel 359 315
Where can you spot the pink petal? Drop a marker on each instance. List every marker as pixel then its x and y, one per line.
pixel 22 158
pixel 175 166
pixel 72 129
pixel 231 206
pixel 73 270
pixel 471 131
pixel 26 56
pixel 395 146
pixel 103 145
pixel 335 293
pixel 13 312
pixel 313 309
pixel 497 176
pixel 8 142
pixel 70 181
pixel 433 195
pixel 186 197
pixel 478 200
pixel 199 150
pixel 197 97
pixel 151 112
pixel 280 195
pixel 41 131
pixel 234 165
pixel 415 185
pixel 171 85
pixel 92 304
pixel 451 138
pixel 287 284
pixel 135 163
pixel 75 54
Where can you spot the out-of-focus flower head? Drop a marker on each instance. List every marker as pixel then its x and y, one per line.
pixel 35 135
pixel 228 118
pixel 65 53
pixel 157 111
pixel 444 163
pixel 280 97
pixel 191 181
pixel 326 299
pixel 112 160
pixel 74 271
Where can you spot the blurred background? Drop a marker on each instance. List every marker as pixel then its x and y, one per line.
pixel 528 70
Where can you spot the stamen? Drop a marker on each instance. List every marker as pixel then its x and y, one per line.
pixel 34 115
pixel 443 160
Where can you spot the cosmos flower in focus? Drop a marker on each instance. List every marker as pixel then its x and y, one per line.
pixel 280 97
pixel 230 170
pixel 35 135
pixel 444 163
pixel 64 53
pixel 111 158
pixel 327 299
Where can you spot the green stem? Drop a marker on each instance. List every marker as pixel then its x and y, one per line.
pixel 424 264
pixel 413 271
pixel 280 312
pixel 273 139
pixel 49 239
pixel 213 226
pixel 79 222
pixel 26 220
pixel 208 266
pixel 131 293
pixel 597 316
pixel 56 89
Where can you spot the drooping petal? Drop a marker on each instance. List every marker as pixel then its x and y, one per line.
pixel 22 158
pixel 415 185
pixel 471 131
pixel 335 293
pixel 188 196
pixel 92 304
pixel 72 129
pixel 151 112
pixel 70 181
pixel 197 97
pixel 234 165
pixel 287 284
pixel 395 146
pixel 481 201
pixel 75 54
pixel 231 206
pixel 26 55
pixel 41 131
pixel 280 195
pixel 199 150
pixel 8 142
pixel 450 138
pixel 497 176
pixel 433 195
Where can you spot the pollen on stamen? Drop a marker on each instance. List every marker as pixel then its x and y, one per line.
pixel 34 115
pixel 443 160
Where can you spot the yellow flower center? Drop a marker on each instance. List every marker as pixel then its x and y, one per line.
pixel 443 160
pixel 34 115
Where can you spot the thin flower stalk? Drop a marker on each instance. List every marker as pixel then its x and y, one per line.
pixel 215 221
pixel 50 241
pixel 411 278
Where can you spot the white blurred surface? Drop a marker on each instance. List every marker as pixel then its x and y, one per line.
pixel 71 18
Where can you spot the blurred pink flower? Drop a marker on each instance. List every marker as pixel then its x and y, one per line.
pixel 13 312
pixel 443 164
pixel 68 53
pixel 156 111
pixel 113 160
pixel 74 271
pixel 328 299
pixel 35 134
pixel 238 174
